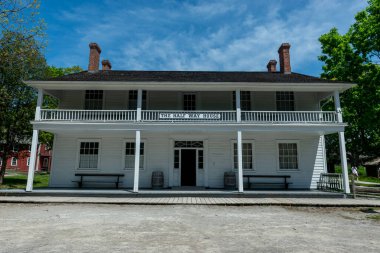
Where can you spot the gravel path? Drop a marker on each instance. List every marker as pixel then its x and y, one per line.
pixel 133 228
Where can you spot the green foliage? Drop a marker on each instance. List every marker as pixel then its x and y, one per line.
pixel 21 41
pixel 355 57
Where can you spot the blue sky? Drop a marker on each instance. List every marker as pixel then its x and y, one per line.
pixel 222 35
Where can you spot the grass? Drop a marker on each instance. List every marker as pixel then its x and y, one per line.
pixel 362 174
pixel 18 181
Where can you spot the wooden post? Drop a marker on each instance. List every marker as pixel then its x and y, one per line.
pixel 137 162
pixel 33 150
pixel 238 108
pixel 139 103
pixel 240 161
pixel 342 145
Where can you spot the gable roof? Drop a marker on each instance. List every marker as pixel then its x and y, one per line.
pixel 189 76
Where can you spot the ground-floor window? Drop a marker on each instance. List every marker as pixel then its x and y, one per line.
pixel 14 161
pixel 45 162
pixel 28 161
pixel 288 155
pixel 89 155
pixel 247 155
pixel 130 155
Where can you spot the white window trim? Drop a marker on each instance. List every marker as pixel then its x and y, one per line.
pixel 103 100
pixel 27 161
pixel 196 100
pixel 275 100
pixel 123 153
pixel 297 142
pixel 78 154
pixel 253 154
pixel 15 159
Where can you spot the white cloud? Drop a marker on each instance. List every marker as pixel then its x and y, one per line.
pixel 212 35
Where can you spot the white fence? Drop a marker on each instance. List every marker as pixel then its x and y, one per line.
pixel 189 116
pixel 290 117
pixel 87 115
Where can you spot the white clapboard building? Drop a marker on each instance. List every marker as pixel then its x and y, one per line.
pixel 193 126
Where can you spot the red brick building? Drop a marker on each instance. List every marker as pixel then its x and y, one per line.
pixel 19 158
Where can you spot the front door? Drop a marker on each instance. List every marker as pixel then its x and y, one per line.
pixel 188 167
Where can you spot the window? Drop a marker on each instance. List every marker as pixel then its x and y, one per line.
pixel 130 155
pixel 132 100
pixel 15 148
pixel 188 144
pixel 28 161
pixel 14 161
pixel 1 161
pixel 45 162
pixel 285 101
pixel 93 100
pixel 189 102
pixel 288 156
pixel 89 154
pixel 247 156
pixel 245 100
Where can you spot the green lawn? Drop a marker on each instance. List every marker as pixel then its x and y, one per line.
pixel 18 181
pixel 362 174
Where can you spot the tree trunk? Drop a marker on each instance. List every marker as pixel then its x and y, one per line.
pixel 3 166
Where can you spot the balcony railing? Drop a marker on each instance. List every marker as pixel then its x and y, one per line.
pixel 87 115
pixel 265 117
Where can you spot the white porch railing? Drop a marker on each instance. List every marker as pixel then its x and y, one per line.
pixel 289 117
pixel 272 117
pixel 188 116
pixel 87 115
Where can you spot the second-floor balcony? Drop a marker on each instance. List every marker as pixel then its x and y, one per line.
pixel 178 117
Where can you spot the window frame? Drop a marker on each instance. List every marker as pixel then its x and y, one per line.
pixel 297 142
pixel 241 96
pixel 123 154
pixel 195 101
pixel 15 159
pixel 103 100
pixel 28 161
pixel 252 142
pixel 144 102
pixel 79 141
pixel 43 162
pixel 276 101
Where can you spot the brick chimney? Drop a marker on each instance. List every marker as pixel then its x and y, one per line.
pixel 95 51
pixel 271 66
pixel 106 65
pixel 284 56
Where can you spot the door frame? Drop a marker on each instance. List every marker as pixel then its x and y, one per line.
pixel 196 164
pixel 175 180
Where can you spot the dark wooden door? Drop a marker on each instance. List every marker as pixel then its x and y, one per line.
pixel 188 167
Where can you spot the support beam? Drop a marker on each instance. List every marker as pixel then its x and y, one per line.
pixel 238 108
pixel 240 161
pixel 137 162
pixel 342 145
pixel 139 103
pixel 33 150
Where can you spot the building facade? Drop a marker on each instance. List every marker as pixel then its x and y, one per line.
pixel 191 125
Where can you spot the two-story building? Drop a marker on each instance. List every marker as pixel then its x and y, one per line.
pixel 192 125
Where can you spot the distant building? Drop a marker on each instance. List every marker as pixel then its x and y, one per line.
pixel 20 158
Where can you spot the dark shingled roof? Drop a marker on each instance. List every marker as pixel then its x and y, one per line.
pixel 189 76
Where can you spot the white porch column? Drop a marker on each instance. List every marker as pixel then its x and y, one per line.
pixel 238 110
pixel 33 150
pixel 137 162
pixel 139 102
pixel 342 145
pixel 240 161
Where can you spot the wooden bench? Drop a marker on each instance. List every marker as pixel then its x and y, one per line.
pixel 285 183
pixel 116 176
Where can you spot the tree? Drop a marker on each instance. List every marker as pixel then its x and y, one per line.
pixel 21 41
pixel 50 102
pixel 355 57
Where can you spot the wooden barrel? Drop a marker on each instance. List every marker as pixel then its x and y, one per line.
pixel 157 180
pixel 229 180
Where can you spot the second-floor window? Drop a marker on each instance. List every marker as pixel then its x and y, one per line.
pixel 285 101
pixel 132 100
pixel 93 100
pixel 189 102
pixel 245 100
